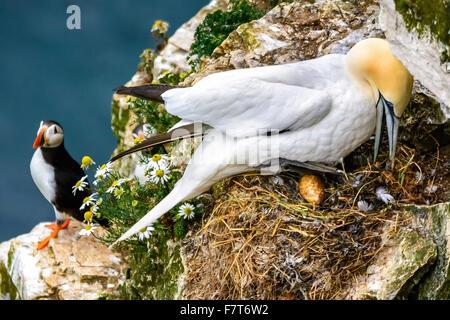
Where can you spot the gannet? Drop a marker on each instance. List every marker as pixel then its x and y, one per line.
pixel 322 109
pixel 55 173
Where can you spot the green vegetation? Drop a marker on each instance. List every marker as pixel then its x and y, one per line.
pixel 153 113
pixel 154 252
pixel 216 27
pixel 431 15
pixel 274 3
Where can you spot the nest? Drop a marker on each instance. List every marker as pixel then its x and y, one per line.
pixel 262 241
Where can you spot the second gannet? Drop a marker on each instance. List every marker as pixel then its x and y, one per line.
pixel 322 109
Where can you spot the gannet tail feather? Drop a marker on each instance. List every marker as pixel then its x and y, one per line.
pixel 182 132
pixel 171 200
pixel 148 91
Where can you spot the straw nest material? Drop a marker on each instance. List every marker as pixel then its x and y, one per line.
pixel 263 241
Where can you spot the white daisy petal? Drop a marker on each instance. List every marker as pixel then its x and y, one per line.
pixel 159 175
pixel 79 185
pixel 88 229
pixel 145 233
pixel 186 211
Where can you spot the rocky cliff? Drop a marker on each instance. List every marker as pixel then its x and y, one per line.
pixel 257 238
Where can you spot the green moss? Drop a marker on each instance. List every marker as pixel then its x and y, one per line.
pixel 217 25
pixel 274 3
pixel 154 270
pixel 436 283
pixel 7 288
pixel 427 15
pixel 423 257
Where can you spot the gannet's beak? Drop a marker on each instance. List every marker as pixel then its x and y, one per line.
pixel 385 109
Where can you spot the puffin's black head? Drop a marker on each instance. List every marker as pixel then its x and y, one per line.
pixel 49 135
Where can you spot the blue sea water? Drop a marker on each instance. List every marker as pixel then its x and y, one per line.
pixel 48 72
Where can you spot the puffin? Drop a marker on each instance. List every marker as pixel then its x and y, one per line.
pixel 55 172
pixel 140 133
pixel 313 112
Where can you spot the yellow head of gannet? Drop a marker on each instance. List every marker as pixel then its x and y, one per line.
pixel 381 74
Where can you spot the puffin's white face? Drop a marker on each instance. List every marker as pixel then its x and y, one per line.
pixel 49 135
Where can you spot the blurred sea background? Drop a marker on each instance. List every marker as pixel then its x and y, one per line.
pixel 48 72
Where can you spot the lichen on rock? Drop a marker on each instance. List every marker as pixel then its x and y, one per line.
pixel 71 268
pixel 412 30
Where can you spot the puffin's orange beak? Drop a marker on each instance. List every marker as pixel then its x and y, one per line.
pixel 40 139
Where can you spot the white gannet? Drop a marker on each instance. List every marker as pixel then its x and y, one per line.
pixel 323 109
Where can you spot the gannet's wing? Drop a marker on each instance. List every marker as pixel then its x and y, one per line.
pixel 243 106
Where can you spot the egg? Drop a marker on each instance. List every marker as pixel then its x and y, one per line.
pixel 312 189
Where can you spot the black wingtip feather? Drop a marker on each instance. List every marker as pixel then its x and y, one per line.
pixel 163 138
pixel 147 91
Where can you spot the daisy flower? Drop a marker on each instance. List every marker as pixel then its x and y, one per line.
pixel 80 185
pixel 103 170
pixel 186 211
pixel 113 187
pixel 118 192
pixel 86 162
pixel 88 230
pixel 94 209
pixel 159 175
pixel 137 140
pixel 88 215
pixel 145 232
pixel 116 184
pixel 88 201
pixel 158 160
pixel 160 26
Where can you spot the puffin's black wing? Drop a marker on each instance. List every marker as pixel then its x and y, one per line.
pixel 67 173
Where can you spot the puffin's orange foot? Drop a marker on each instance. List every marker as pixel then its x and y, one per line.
pixel 53 225
pixel 44 243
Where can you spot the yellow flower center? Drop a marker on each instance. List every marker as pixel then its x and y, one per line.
pixel 115 183
pixel 88 227
pixel 156 157
pixel 143 230
pixel 86 199
pixel 159 173
pixel 187 211
pixel 137 140
pixel 118 192
pixel 86 161
pixel 78 184
pixel 103 167
pixel 88 216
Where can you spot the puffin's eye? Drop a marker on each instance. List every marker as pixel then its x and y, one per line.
pixel 55 129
